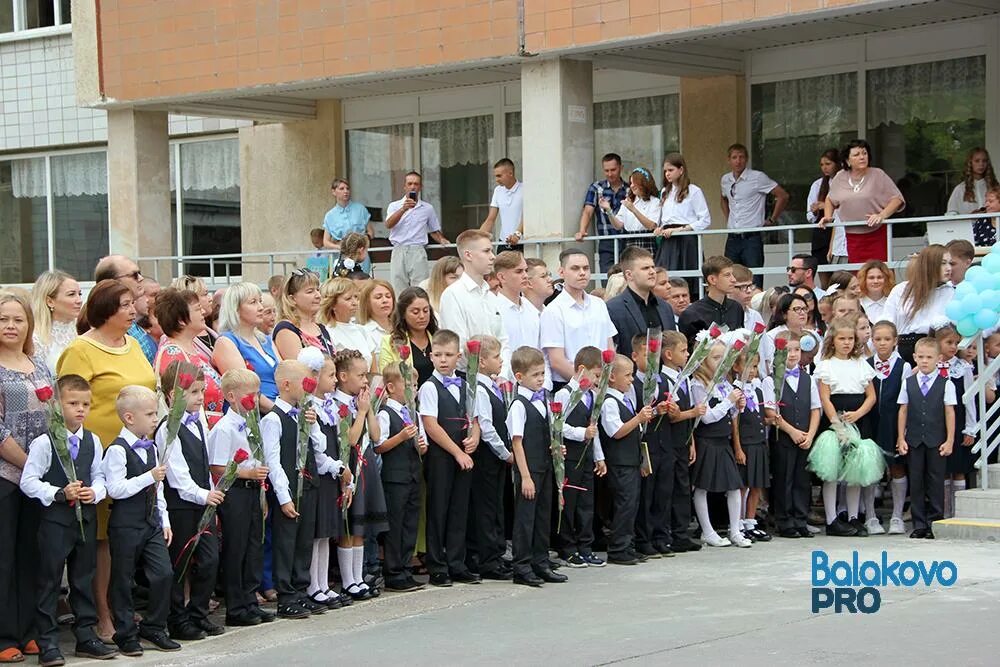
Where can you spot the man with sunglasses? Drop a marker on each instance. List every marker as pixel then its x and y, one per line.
pixel 744 195
pixel 119 267
pixel 802 273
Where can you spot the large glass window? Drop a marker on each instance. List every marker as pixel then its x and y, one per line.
pixel 18 15
pixel 512 121
pixel 23 225
pixel 922 120
pixel 377 161
pixel 642 130
pixel 79 211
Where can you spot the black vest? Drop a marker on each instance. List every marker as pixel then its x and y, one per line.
pixel 682 397
pixel 795 405
pixel 401 464
pixel 886 409
pixel 499 410
pixel 196 457
pixel 451 417
pixel 139 510
pixel 658 431
pixel 925 414
pixel 720 429
pixel 624 451
pixel 752 422
pixel 289 454
pixel 537 439
pixel 580 418
pixel 62 513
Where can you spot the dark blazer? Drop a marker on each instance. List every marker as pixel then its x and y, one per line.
pixel 628 319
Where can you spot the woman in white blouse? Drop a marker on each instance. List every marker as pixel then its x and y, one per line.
pixel 640 212
pixel 875 281
pixel 56 301
pixel 684 210
pixel 969 196
pixel 918 303
pixel 337 312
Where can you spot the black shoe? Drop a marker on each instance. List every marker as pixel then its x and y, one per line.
pixel 929 535
pixel 332 600
pixel 132 648
pixel 293 611
pixel 243 619
pixel 187 632
pixel 497 575
pixel 843 517
pixel 314 608
pixel 748 534
pixel 402 585
pixel 623 559
pixel 554 565
pixel 51 658
pixel 840 529
pixel 859 527
pixel 790 533
pixel 467 577
pixel 441 580
pixel 681 546
pixel 211 629
pixel 640 557
pixel 919 534
pixel 264 615
pixel 550 577
pixel 160 640
pixel 804 532
pixel 375 583
pixel 664 549
pixel 95 649
pixel 345 599
pixel 530 579
pixel 357 593
pixel 648 551
pixel 575 560
pixel 760 535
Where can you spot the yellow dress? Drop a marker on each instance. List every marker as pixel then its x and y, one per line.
pixel 108 370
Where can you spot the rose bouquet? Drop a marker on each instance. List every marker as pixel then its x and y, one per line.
pixel 344 433
pixel 722 372
pixel 473 347
pixel 251 414
pixel 780 365
pixel 558 458
pixel 59 437
pixel 302 441
pixel 608 362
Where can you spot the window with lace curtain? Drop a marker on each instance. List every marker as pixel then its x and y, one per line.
pixel 377 160
pixel 24 232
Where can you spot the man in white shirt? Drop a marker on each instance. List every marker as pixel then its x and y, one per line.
pixel 744 194
pixel 521 319
pixel 539 287
pixel 508 204
pixel 410 221
pixel 574 319
pixel 468 307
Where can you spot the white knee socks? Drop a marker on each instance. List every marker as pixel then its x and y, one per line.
pixel 898 497
pixel 853 497
pixel 868 496
pixel 359 566
pixel 830 501
pixel 345 559
pixel 733 505
pixel 701 511
pixel 318 571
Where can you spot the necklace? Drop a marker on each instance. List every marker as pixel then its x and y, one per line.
pixel 856 186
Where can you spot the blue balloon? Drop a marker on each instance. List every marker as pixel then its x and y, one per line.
pixel 954 310
pixel 964 289
pixel 967 326
pixel 991 299
pixel 983 281
pixel 992 263
pixel 986 318
pixel 971 305
pixel 974 271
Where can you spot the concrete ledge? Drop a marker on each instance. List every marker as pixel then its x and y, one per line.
pixel 984 530
pixel 978 503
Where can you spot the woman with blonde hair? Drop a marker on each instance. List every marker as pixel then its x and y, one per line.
pixel 918 303
pixel 875 281
pixel 615 286
pixel 375 307
pixel 338 311
pixel 241 342
pixel 446 271
pixel 978 178
pixel 56 301
pixel 298 327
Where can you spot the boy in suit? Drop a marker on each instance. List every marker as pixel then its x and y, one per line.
pixel 637 309
pixel 61 539
pixel 139 527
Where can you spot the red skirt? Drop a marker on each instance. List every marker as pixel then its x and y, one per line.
pixel 864 247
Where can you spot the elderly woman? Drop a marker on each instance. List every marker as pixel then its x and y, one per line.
pixel 179 313
pixel 413 324
pixel 109 360
pixel 344 218
pixel 22 419
pixel 862 192
pixel 241 342
pixel 55 303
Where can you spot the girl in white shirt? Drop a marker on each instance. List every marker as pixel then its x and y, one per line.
pixel 875 280
pixel 337 311
pixel 969 196
pixel 915 304
pixel 684 209
pixel 640 212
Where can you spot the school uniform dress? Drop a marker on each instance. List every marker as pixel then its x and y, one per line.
pixel 135 533
pixel 529 420
pixel 329 515
pixel 623 457
pixel 186 491
pixel 890 374
pixel 448 486
pixel 488 475
pixel 715 468
pixel 791 486
pixel 60 541
pixel 367 515
pixel 680 442
pixel 576 531
pixel 962 461
pixel 756 472
pixel 848 380
pixel 925 398
pixel 653 520
pixel 401 468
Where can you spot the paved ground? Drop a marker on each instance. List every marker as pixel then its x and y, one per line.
pixel 750 606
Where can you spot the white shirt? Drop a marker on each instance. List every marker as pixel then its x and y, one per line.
pixel 471 310
pixel 949 389
pixel 699 395
pixel 792 383
pixel 383 419
pixel 692 211
pixel 178 471
pixel 484 410
pixel 40 460
pixel 570 326
pixel 414 225
pixel 522 322
pixel 120 486
pixel 838 243
pixel 895 310
pixel 376 333
pixel 957 204
pixel 577 433
pixel 648 207
pixel 427 396
pixel 747 198
pixel 270 433
pixel 353 336
pixel 227 436
pixel 516 416
pixel 845 376
pixel 510 204
pixel 611 415
pixel 874 309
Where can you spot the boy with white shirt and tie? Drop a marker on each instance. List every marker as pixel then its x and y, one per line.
pixel 139 527
pixel 63 541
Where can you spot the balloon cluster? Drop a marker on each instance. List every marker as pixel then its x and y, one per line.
pixel 976 305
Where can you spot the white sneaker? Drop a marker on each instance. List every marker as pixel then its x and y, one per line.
pixel 896 526
pixel 715 540
pixel 738 540
pixel 874 527
pixel 813 529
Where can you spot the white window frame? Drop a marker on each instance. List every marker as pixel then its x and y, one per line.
pixel 20 10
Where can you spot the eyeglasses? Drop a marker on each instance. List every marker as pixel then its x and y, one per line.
pixel 801 310
pixel 793 269
pixel 732 190
pixel 744 288
pixel 135 275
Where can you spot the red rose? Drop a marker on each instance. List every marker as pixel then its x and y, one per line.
pixel 379 391
pixel 507 386
pixel 758 328
pixel 739 345
pixel 343 411
pixel 185 380
pixel 780 343
pixel 608 356
pixel 404 352
pixel 250 367
pixel 249 402
pixel 473 346
pixel 654 345
pixel 240 456
pixel 585 384
pixel 715 331
pixel 309 385
pixel 43 394
pixel 556 408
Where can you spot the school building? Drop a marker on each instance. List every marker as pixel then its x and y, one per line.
pixel 163 128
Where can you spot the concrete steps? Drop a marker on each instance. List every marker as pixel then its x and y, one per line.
pixel 983 530
pixel 977 513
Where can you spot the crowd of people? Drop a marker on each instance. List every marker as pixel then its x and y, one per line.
pixel 410 428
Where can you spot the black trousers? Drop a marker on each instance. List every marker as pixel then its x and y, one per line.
pixel 576 530
pixel 532 520
pixel 291 543
pixel 131 547
pixel 448 492
pixel 201 572
pixel 926 471
pixel 791 486
pixel 680 495
pixel 402 502
pixel 18 564
pixel 652 525
pixel 242 547
pixel 61 546
pixel 747 248
pixel 486 519
pixel 625 482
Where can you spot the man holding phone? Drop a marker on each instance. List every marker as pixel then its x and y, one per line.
pixel 614 190
pixel 410 221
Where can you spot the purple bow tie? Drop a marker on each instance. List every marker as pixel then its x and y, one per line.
pixel 751 403
pixel 497 391
pixel 538 395
pixel 793 373
pixel 588 400
pixel 142 443
pixel 190 418
pixel 242 427
pixel 74 446
pixel 404 412
pixel 452 382
pixel 294 413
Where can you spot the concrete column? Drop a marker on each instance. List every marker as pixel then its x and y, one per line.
pixel 139 186
pixel 557 98
pixel 285 174
pixel 713 116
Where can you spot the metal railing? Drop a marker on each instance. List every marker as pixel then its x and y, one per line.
pixel 987 442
